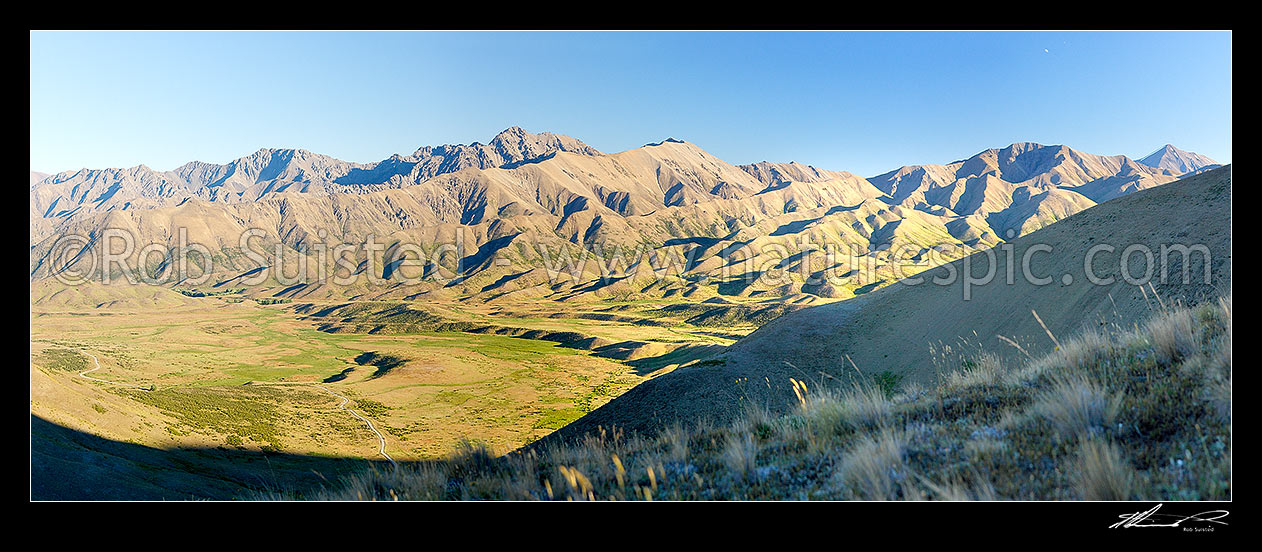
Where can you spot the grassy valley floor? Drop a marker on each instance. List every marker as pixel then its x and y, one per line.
pixel 231 378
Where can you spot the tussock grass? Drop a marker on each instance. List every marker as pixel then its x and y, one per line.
pixel 959 489
pixel 1102 472
pixel 739 454
pixel 985 445
pixel 1077 405
pixel 1113 414
pixel 1218 395
pixel 986 370
pixel 856 407
pixel 874 468
pixel 675 442
pixel 1085 349
pixel 1174 336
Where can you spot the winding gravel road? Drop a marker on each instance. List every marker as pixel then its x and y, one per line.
pixel 380 438
pixel 84 375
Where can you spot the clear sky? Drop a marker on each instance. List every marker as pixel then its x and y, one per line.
pixel 859 101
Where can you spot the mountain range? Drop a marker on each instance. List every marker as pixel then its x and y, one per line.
pixel 725 226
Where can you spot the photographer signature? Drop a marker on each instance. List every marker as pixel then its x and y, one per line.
pixel 1151 518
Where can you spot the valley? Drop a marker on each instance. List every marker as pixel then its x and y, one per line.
pixel 518 294
pixel 437 387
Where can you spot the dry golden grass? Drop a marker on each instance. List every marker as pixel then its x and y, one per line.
pixel 502 390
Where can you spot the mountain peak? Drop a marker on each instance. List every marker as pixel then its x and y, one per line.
pixel 1025 146
pixel 1174 159
pixel 282 151
pixel 512 131
pixel 516 144
pixel 669 140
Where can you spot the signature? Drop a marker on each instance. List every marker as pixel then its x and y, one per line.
pixel 1151 518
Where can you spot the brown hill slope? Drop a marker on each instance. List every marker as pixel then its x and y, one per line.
pixel 914 332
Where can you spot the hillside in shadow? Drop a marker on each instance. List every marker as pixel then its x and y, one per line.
pixel 67 464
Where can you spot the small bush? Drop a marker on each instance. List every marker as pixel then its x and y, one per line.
pixel 888 382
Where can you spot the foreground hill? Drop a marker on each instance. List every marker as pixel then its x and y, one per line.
pixel 917 333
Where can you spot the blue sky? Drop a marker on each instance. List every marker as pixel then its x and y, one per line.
pixel 864 102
